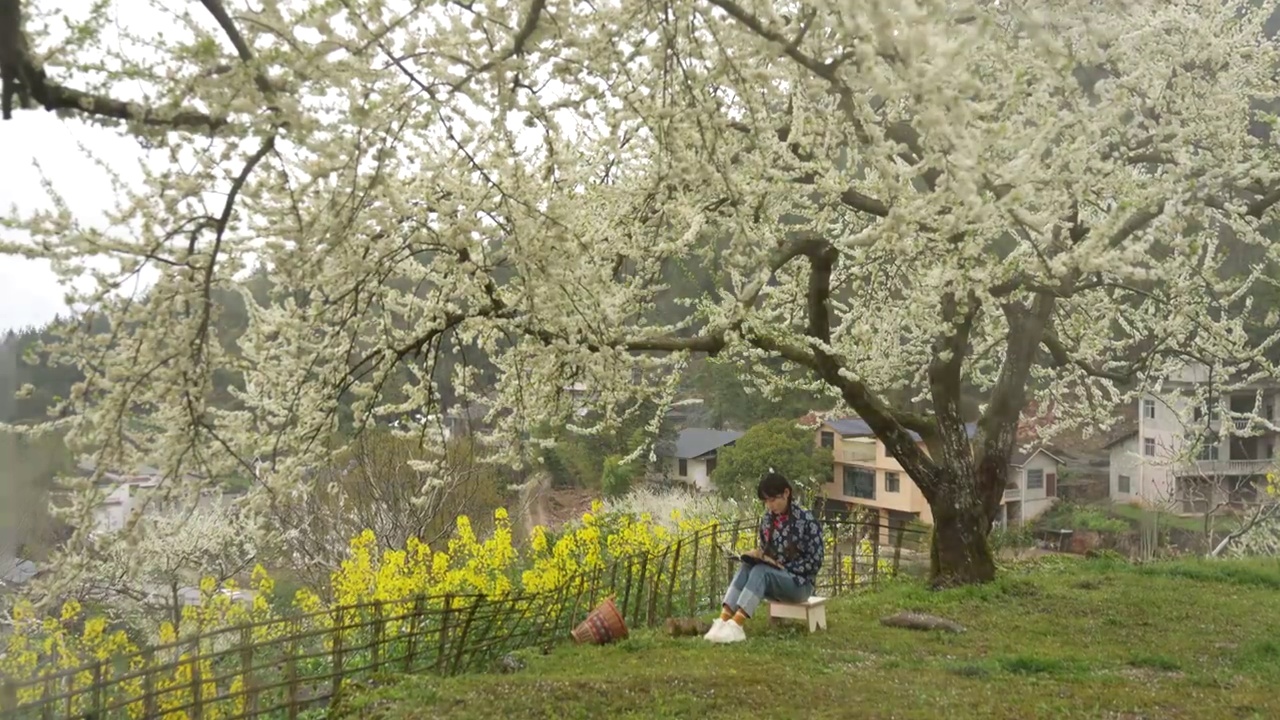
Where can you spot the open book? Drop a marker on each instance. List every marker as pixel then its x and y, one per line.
pixel 737 556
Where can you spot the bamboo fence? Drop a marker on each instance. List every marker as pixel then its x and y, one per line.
pixel 287 666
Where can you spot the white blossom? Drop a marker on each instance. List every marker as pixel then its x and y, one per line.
pixel 1048 192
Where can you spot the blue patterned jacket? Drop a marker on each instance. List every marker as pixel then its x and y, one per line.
pixel 795 540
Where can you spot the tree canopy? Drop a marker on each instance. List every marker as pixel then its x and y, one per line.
pixel 900 199
pixel 779 444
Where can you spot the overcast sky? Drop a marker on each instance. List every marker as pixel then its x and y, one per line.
pixel 29 291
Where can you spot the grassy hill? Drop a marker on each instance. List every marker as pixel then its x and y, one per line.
pixel 1059 639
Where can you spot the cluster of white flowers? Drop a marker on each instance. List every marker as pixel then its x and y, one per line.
pixel 667 507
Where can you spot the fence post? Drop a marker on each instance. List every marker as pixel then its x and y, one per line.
pixel 291 673
pixel 594 596
pixel 557 610
pixel 897 550
pixel 8 696
pixel 414 620
pixel 671 579
pixel 838 560
pixel 149 699
pixel 47 714
pixel 693 575
pixel 246 672
pixel 626 597
pixel 98 687
pixel 875 557
pixel 197 702
pixel 855 532
pixel 462 635
pixel 715 566
pixel 655 585
pixel 444 633
pixel 339 624
pixel 379 637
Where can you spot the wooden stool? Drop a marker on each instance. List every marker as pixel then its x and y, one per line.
pixel 813 611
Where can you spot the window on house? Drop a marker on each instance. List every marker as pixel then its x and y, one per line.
pixel 1035 479
pixel 1208 452
pixel 1149 447
pixel 1213 413
pixel 892 483
pixel 683 468
pixel 1122 484
pixel 859 482
pixel 1149 409
pixel 827 440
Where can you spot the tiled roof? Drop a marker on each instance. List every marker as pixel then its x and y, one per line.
pixel 694 442
pixel 857 427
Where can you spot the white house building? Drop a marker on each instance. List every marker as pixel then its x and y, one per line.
pixel 694 456
pixel 1189 455
pixel 1032 486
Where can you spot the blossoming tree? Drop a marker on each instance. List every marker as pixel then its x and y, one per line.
pixel 915 199
pixel 167 561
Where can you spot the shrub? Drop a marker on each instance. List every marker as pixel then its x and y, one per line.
pixel 617 476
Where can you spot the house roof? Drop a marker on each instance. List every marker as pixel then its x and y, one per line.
pixel 1132 432
pixel 857 427
pixel 17 572
pixel 1020 459
pixel 693 442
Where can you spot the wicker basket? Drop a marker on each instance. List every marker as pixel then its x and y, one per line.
pixel 604 625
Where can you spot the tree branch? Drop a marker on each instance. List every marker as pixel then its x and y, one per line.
pixel 851 196
pixel 23 79
pixel 999 423
pixel 899 132
pixel 1062 358
pixel 884 421
pixel 945 371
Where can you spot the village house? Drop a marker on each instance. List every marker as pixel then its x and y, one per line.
pixel 867 476
pixel 1189 455
pixel 692 458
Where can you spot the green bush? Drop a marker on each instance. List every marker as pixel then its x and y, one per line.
pixel 1068 516
pixel 574 463
pixel 617 477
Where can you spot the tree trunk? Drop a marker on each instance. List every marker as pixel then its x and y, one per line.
pixel 960 554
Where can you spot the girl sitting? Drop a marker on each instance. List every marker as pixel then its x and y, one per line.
pixel 784 566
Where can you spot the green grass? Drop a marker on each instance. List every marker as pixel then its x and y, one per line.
pixel 1133 514
pixel 1067 639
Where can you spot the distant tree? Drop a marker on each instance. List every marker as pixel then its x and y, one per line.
pixel 617 477
pixel 169 553
pixel 29 465
pixel 779 444
pixel 396 485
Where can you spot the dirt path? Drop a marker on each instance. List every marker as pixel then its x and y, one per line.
pixel 533 501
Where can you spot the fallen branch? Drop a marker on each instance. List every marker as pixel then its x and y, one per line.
pixel 921 621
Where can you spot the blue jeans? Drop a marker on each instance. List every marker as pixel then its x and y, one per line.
pixel 758 581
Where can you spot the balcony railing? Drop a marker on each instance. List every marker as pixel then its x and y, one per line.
pixel 1228 467
pixel 859 455
pixel 1245 424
